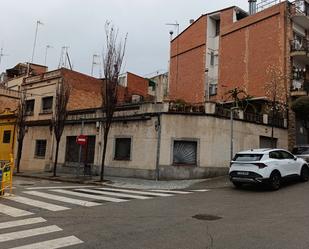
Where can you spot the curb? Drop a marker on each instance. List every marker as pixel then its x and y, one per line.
pixel 65 180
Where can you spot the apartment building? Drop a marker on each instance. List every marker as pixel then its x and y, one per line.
pixel 230 48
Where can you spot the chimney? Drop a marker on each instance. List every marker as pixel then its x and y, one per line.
pixel 252 7
pixel 191 21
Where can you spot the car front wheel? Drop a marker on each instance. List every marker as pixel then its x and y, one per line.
pixel 275 181
pixel 304 174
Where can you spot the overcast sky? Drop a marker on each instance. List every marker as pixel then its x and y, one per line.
pixel 79 24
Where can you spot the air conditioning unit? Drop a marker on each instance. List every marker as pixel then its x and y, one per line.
pixel 212 89
pixel 136 98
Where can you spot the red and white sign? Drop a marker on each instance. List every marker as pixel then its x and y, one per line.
pixel 81 140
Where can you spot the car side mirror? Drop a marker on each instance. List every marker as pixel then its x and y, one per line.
pixel 295 158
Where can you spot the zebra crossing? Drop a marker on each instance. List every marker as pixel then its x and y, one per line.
pixel 62 198
pixel 23 229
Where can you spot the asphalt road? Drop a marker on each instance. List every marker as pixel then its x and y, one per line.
pixel 222 217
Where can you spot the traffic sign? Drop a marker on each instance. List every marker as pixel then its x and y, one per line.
pixel 81 140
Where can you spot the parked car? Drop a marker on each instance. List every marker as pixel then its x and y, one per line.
pixel 268 166
pixel 302 151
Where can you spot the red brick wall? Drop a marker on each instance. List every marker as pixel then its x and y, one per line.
pixel 137 85
pixel 247 48
pixel 187 63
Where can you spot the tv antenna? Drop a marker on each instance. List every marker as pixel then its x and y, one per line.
pixel 65 58
pixel 96 61
pixel 2 54
pixel 175 25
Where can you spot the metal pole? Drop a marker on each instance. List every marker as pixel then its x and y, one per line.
pixel 80 149
pixel 232 138
pixel 158 128
pixel 47 47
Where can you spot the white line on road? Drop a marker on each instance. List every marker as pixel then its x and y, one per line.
pixel 53 244
pixel 39 204
pixel 63 199
pixel 170 191
pixel 200 190
pixel 62 187
pixel 95 197
pixel 13 212
pixel 135 192
pixel 114 194
pixel 24 222
pixel 28 233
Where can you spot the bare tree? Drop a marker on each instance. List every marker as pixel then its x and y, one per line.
pixel 276 91
pixel 112 62
pixel 21 126
pixel 60 116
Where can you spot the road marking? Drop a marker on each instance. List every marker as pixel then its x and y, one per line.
pixel 24 222
pixel 13 212
pixel 62 187
pixel 170 191
pixel 114 194
pixel 200 190
pixel 135 192
pixel 39 204
pixel 63 199
pixel 53 244
pixel 96 197
pixel 28 233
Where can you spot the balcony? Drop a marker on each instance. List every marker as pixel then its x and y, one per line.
pixel 300 13
pixel 300 87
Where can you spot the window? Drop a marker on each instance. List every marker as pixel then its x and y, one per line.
pixel 275 155
pixel 47 104
pixel 212 58
pixel 185 153
pixel 40 148
pixel 247 157
pixel 72 150
pixel 286 155
pixel 122 149
pixel 6 137
pixel 217 27
pixel 268 142
pixel 29 107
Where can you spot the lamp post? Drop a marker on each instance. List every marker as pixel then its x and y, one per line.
pixel 232 130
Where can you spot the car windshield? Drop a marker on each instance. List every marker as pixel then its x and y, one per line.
pixel 300 150
pixel 247 157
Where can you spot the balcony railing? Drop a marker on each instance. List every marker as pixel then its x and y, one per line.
pixel 300 45
pixel 301 8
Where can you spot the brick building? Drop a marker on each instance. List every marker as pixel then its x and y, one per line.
pixel 230 48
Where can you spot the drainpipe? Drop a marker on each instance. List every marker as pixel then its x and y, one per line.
pixel 158 129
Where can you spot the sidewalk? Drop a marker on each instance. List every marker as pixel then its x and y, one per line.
pixel 121 182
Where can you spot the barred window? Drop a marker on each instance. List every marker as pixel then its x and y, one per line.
pixel 30 107
pixel 122 149
pixel 47 104
pixel 6 137
pixel 40 148
pixel 185 153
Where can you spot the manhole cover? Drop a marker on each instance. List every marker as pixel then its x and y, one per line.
pixel 206 217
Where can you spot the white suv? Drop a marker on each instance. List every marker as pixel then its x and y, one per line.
pixel 266 166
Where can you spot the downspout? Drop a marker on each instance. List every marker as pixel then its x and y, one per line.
pixel 158 129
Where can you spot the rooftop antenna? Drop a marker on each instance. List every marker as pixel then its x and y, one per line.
pixel 2 54
pixel 46 49
pixel 64 57
pixel 96 61
pixel 175 25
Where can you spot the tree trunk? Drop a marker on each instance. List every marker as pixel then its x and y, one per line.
pixel 19 152
pixel 56 158
pixel 106 131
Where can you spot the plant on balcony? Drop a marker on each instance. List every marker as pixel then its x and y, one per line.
pixel 301 107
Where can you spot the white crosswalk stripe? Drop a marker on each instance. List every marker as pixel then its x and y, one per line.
pixel 135 192
pixel 13 212
pixel 28 233
pixel 53 244
pixel 170 191
pixel 63 199
pixel 102 192
pixel 95 197
pixel 58 187
pixel 24 222
pixel 39 204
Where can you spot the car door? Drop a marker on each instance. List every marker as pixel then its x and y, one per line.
pixel 278 163
pixel 290 164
